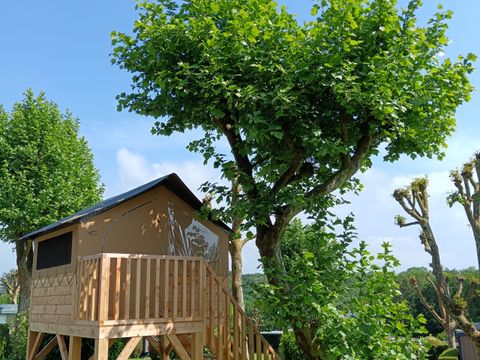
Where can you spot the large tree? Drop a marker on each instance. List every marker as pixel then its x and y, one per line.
pixel 46 173
pixel 302 106
pixel 351 298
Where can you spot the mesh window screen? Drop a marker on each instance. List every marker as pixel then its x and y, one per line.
pixel 55 251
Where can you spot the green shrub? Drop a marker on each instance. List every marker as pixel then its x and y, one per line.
pixel 450 354
pixel 434 346
pixel 16 346
pixel 289 349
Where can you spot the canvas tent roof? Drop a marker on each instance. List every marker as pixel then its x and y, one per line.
pixel 172 182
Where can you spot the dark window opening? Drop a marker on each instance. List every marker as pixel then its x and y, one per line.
pixel 55 251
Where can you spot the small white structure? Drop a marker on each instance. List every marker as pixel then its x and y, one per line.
pixel 8 312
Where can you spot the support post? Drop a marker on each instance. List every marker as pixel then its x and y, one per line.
pixel 104 289
pixel 33 343
pixel 197 346
pixel 75 348
pixel 101 349
pixel 62 347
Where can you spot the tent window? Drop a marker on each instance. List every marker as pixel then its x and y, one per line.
pixel 55 251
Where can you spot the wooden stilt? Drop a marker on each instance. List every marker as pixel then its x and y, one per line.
pixel 197 346
pixel 75 348
pixel 33 343
pixel 101 349
pixel 62 346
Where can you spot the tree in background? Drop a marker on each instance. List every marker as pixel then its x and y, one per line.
pixel 302 106
pixel 409 293
pixel 451 308
pixel 351 295
pixel 46 173
pixel 10 286
pixel 467 194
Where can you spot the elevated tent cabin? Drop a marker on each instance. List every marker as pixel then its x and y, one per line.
pixel 141 264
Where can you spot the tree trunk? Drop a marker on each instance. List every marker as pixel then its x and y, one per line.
pixel 450 332
pixel 305 340
pixel 476 236
pixel 268 244
pixel 24 264
pixel 235 248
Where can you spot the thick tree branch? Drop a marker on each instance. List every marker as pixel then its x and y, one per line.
pixel 236 143
pixel 289 173
pixel 408 224
pixel 425 303
pixel 471 292
pixel 348 168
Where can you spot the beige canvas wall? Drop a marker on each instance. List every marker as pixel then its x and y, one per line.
pixel 151 224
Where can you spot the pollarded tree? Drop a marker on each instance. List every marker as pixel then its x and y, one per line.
pixel 10 286
pixel 467 194
pixel 302 107
pixel 46 173
pixel 451 307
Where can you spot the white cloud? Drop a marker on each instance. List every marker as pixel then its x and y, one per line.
pixel 134 170
pixel 375 209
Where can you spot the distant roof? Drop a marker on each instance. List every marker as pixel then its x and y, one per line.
pixel 172 182
pixel 7 309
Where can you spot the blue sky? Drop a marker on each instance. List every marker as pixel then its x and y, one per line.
pixel 63 47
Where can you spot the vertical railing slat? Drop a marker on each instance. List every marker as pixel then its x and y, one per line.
pixel 243 336
pixel 184 288
pixel 89 289
pixel 138 287
pixel 235 332
pixel 116 297
pixel 175 288
pixel 166 289
pixel 157 288
pixel 104 288
pixel 128 281
pixel 211 305
pixel 220 324
pixel 147 290
pixel 95 285
pixel 192 288
pixel 251 350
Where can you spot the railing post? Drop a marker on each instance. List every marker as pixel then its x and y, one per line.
pixel 104 288
pixel 203 291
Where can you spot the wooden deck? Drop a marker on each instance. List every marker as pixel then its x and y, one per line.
pixel 177 303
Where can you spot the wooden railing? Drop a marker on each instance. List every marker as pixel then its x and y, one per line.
pixel 119 289
pixel 123 288
pixel 230 333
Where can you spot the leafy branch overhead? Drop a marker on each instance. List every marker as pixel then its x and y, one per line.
pixel 302 106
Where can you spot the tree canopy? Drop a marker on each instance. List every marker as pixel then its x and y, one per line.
pixel 302 106
pixel 46 167
pixel 46 173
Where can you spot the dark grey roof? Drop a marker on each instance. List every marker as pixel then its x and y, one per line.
pixel 8 309
pixel 171 182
